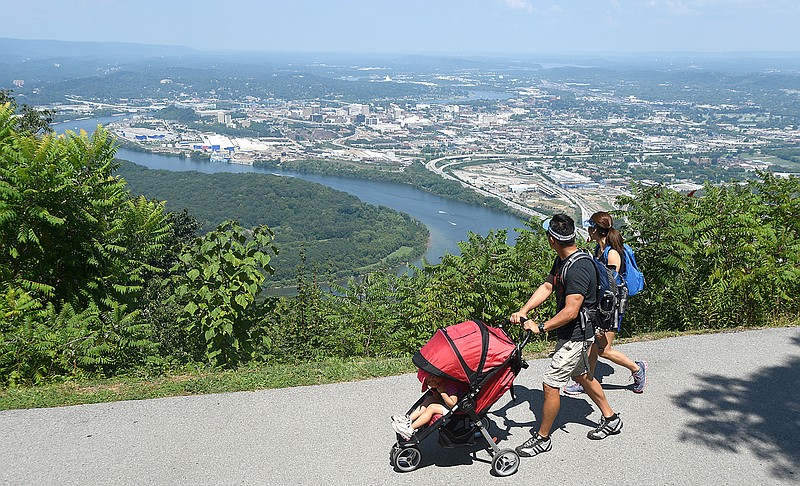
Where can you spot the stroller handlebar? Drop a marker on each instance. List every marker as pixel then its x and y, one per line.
pixel 525 338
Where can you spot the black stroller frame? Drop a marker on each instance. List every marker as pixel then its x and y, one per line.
pixel 405 455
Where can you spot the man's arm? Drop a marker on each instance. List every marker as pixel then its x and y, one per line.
pixel 539 295
pixel 572 307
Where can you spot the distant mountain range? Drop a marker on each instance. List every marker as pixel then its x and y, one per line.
pixel 13 51
pixel 18 50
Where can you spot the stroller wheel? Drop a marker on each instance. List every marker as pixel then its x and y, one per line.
pixel 393 454
pixel 407 459
pixel 505 463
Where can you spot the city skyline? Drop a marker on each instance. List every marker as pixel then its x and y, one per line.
pixel 472 27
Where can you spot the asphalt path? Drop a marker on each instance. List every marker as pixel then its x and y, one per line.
pixel 718 409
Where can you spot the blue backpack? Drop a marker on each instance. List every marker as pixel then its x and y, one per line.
pixel 632 276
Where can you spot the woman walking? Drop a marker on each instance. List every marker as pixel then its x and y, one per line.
pixel 609 250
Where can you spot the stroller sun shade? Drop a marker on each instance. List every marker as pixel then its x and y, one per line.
pixel 465 352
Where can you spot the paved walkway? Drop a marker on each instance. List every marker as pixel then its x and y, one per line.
pixel 718 409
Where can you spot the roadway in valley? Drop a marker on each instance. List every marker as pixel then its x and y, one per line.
pixel 438 166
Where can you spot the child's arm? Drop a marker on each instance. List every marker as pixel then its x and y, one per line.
pixel 448 400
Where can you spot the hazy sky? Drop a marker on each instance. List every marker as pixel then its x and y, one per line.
pixel 417 26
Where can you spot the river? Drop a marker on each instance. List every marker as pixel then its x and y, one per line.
pixel 448 221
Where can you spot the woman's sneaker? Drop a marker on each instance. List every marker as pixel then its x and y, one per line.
pixel 535 445
pixel 640 377
pixel 608 426
pixel 574 389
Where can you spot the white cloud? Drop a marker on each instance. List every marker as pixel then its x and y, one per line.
pixel 524 5
pixel 681 8
pixel 692 7
pixel 555 10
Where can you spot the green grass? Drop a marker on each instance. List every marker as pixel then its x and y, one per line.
pixel 202 382
pixel 255 377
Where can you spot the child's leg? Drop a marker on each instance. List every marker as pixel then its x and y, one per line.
pixel 423 418
pixel 419 410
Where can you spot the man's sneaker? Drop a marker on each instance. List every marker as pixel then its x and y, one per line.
pixel 535 445
pixel 573 389
pixel 640 377
pixel 608 426
pixel 405 430
pixel 401 419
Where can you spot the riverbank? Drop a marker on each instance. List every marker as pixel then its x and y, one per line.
pixel 414 175
pixel 449 221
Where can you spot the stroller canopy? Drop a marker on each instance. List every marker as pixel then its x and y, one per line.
pixel 465 352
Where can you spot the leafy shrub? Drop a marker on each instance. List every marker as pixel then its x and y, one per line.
pixel 730 258
pixel 222 274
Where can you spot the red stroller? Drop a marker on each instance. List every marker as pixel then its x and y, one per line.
pixel 487 359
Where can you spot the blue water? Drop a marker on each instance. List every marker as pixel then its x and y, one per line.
pixel 448 221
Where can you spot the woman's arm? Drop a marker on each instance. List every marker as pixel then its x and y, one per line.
pixel 614 259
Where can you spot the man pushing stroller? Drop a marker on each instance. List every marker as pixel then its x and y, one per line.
pixel 574 279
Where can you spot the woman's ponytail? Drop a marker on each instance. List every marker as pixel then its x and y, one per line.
pixel 615 241
pixel 605 225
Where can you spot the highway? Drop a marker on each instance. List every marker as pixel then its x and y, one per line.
pixel 439 165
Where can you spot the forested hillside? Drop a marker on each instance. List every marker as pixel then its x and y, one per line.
pixel 337 233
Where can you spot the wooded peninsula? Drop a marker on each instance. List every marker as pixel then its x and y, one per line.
pixel 329 232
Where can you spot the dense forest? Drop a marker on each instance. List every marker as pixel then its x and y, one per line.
pixel 96 281
pixel 332 233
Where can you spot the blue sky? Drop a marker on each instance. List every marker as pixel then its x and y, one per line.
pixel 465 27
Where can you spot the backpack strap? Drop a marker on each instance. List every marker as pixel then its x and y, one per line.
pixel 578 255
pixel 574 257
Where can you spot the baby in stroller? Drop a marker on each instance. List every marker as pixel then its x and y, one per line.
pixel 442 397
pixel 468 367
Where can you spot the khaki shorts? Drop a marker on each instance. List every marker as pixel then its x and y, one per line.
pixel 571 359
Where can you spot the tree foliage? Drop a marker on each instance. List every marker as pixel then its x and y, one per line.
pixel 95 282
pixel 76 250
pixel 337 233
pixel 222 275
pixel 28 120
pixel 726 259
pixel 70 230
